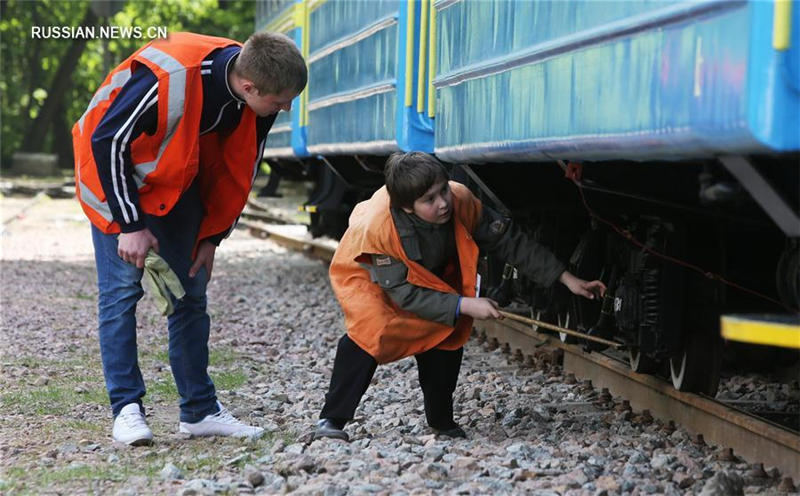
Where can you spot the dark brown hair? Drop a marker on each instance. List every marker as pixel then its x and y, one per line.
pixel 409 175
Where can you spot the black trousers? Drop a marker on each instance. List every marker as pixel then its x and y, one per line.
pixel 353 369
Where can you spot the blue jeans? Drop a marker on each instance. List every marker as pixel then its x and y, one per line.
pixel 120 289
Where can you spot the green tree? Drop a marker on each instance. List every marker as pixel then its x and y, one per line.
pixel 54 79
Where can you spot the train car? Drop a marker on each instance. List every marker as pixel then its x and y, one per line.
pixel 651 144
pixel 286 152
pixel 363 60
pixel 681 119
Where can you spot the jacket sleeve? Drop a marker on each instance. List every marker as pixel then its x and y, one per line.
pixel 390 274
pixel 133 111
pixel 501 237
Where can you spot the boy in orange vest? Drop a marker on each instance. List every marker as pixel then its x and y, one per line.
pixel 165 156
pixel 405 273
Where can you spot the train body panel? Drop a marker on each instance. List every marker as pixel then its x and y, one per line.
pixel 364 77
pixel 609 80
pixel 363 64
pixel 287 138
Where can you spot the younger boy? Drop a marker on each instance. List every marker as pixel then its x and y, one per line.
pixel 405 274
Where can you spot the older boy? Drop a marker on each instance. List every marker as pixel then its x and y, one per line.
pixel 405 275
pixel 165 156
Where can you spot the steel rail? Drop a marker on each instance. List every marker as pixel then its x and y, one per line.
pixel 264 217
pixel 310 248
pixel 752 438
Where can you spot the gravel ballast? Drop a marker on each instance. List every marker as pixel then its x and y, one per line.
pixel 275 324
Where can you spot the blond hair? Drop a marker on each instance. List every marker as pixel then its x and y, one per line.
pixel 273 63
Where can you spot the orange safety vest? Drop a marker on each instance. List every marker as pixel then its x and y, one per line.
pixel 166 164
pixel 373 320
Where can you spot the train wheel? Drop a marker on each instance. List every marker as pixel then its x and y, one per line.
pixel 641 362
pixel 271 188
pixel 536 315
pixel 328 223
pixel 788 277
pixel 564 321
pixel 696 367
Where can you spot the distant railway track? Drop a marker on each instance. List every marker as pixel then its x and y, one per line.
pixel 291 236
pixel 755 439
pixel 260 212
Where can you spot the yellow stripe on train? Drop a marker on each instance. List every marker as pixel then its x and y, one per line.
pixel 758 330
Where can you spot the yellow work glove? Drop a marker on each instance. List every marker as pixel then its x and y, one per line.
pixel 162 281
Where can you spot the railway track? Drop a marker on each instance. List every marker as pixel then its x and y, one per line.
pixel 754 439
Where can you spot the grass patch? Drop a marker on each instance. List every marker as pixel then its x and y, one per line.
pixel 83 296
pixel 227 380
pixel 86 360
pixel 164 390
pixel 286 436
pixel 33 481
pixel 161 355
pixel 217 357
pixel 50 400
pixel 27 362
pixel 220 357
pixel 211 463
pixel 76 427
pixel 59 395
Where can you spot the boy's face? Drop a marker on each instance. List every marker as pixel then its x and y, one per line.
pixel 435 206
pixel 268 103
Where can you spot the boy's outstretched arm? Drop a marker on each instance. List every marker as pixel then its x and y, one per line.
pixel 499 235
pixel 587 289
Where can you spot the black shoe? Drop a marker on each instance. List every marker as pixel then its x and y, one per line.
pixel 330 428
pixel 453 432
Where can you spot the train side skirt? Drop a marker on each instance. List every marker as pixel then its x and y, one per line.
pixel 771 330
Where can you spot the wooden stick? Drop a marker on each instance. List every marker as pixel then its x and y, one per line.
pixel 545 325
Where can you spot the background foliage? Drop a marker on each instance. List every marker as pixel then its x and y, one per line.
pixel 29 68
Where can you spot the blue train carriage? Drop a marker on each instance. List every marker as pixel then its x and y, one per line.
pixel 285 152
pixel 677 123
pixel 363 93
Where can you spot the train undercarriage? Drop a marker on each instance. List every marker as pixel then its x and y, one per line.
pixel 677 245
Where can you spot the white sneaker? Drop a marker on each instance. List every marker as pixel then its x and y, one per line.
pixel 130 426
pixel 221 423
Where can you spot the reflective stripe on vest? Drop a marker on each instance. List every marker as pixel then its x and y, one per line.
pixel 177 94
pixel 175 104
pixel 118 80
pixel 92 200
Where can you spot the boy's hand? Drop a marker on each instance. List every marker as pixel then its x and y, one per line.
pixel 204 258
pixel 587 289
pixel 480 308
pixel 132 247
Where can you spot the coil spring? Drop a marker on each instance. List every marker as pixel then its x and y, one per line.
pixel 650 297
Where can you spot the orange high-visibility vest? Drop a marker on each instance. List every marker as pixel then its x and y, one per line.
pixel 167 163
pixel 373 320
